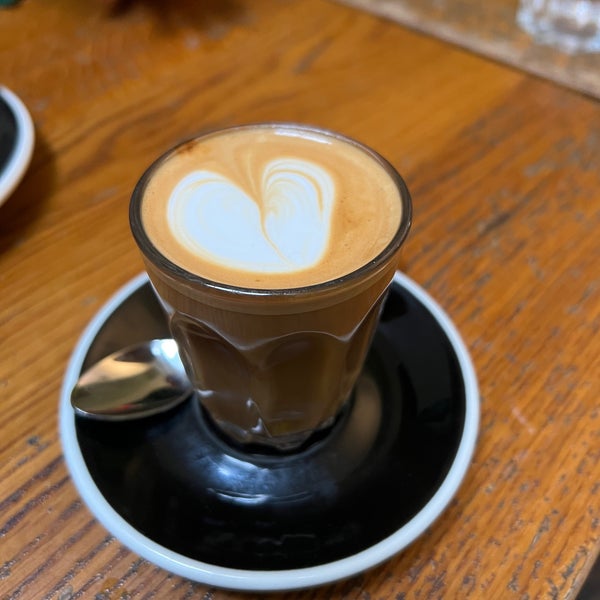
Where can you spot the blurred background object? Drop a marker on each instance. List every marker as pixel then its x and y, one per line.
pixel 573 26
pixel 491 29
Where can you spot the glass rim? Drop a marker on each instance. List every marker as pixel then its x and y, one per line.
pixel 159 260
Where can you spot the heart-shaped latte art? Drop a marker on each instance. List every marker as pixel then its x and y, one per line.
pixel 285 230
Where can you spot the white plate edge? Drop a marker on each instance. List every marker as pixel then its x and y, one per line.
pixel 20 158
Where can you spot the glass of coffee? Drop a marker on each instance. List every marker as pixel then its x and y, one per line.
pixel 271 247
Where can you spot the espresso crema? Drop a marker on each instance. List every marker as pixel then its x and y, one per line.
pixel 270 207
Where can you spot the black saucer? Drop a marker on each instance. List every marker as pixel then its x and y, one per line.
pixel 168 486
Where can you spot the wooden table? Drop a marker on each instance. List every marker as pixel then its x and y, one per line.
pixel 505 174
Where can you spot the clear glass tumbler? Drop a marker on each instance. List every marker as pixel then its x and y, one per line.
pixel 273 366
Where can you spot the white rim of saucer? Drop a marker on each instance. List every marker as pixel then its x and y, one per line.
pixel 19 160
pixel 255 580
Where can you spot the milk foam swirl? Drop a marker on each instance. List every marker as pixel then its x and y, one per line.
pixel 285 229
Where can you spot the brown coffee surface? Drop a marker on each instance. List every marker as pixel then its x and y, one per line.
pixel 365 201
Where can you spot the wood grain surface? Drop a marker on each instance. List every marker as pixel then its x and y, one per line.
pixel 505 175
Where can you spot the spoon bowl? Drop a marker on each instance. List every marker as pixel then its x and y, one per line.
pixel 139 381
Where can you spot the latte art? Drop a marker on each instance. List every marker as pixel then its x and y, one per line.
pixel 285 229
pixel 270 207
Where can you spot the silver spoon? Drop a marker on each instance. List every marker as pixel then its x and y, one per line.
pixel 138 381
